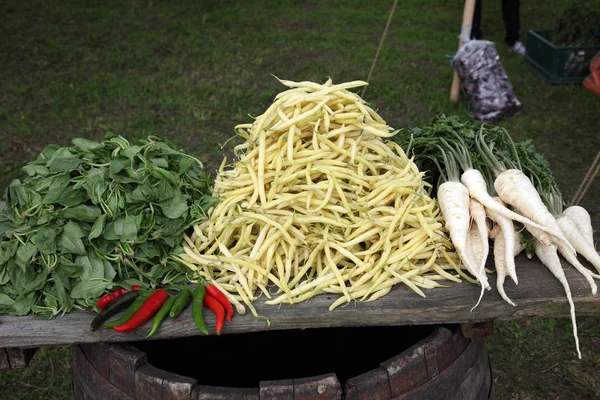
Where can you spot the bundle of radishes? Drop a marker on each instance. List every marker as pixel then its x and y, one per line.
pixel 491 187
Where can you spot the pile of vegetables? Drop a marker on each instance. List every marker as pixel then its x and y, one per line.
pixel 318 202
pixel 488 183
pixel 139 305
pixel 93 216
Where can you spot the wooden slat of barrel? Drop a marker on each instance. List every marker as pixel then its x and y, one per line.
pixel 277 390
pixel 123 361
pixel 468 371
pixel 321 387
pixel 15 358
pixel 372 385
pixel 205 392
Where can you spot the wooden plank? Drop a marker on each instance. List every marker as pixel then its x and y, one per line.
pixel 538 294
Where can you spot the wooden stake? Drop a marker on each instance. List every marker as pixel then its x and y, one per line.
pixel 465 33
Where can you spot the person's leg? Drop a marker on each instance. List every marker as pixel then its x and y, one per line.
pixel 476 32
pixel 512 21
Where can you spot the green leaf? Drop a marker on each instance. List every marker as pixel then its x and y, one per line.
pixel 131 151
pixel 109 271
pixel 81 212
pixel 91 265
pixel 174 207
pixel 98 227
pixel 23 303
pixel 63 160
pixel 45 239
pixel 144 193
pixel 86 144
pixel 165 190
pixel 185 163
pixel 89 289
pixel 95 184
pixel 57 187
pixel 70 239
pixel 5 300
pixel 8 249
pixel 72 196
pixel 25 254
pixel 33 170
pixel 68 268
pixel 62 287
pixel 125 228
pixel 159 162
pixel 117 166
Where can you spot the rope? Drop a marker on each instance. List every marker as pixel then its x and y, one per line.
pixel 587 180
pixel 387 25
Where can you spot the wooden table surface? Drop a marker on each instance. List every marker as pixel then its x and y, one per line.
pixel 538 294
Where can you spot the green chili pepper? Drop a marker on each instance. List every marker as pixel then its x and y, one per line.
pixel 197 301
pixel 161 315
pixel 181 302
pixel 120 304
pixel 131 310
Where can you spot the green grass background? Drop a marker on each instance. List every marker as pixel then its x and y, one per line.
pixel 192 70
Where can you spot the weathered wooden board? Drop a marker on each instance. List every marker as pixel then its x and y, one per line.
pixel 538 294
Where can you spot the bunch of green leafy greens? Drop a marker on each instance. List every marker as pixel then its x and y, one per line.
pixel 94 216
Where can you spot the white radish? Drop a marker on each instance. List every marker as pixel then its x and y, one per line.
pixel 549 257
pixel 499 238
pixel 582 220
pixel 453 198
pixel 508 231
pixel 569 228
pixel 571 258
pixel 515 188
pixel 478 241
pixel 475 253
pixel 474 181
pixel 499 262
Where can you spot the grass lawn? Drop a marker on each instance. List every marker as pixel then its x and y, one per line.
pixel 191 71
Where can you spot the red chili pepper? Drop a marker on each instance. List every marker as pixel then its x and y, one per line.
pixel 220 296
pixel 218 309
pixel 112 296
pixel 146 311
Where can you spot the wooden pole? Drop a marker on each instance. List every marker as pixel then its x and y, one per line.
pixel 465 33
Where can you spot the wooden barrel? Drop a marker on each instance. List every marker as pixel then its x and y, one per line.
pixel 374 363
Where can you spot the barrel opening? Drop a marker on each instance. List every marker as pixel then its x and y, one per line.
pixel 244 360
